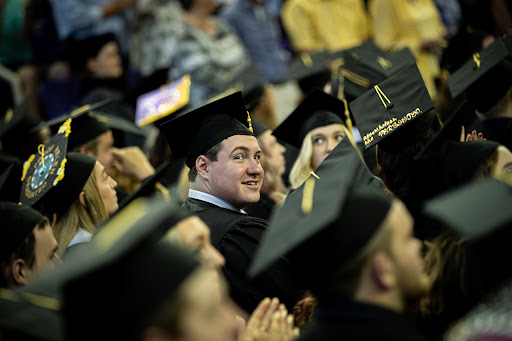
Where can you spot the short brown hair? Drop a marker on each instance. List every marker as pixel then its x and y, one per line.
pixel 211 155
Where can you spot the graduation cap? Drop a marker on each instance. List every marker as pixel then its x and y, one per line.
pixel 311 71
pixel 118 262
pixel 154 184
pixel 18 222
pixel 85 126
pixel 53 178
pixel 29 317
pixel 10 185
pixel 259 127
pixel 486 77
pixel 193 133
pixel 367 67
pixel 15 124
pixel 318 109
pixel 162 102
pixel 480 213
pixel 324 222
pixel 392 105
pixel 250 83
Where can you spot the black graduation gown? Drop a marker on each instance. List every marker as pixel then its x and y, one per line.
pixel 355 321
pixel 237 236
pixel 263 208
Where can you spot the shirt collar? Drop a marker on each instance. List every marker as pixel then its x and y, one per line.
pixel 212 200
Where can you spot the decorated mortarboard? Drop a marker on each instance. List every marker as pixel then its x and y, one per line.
pixel 311 71
pixel 193 133
pixel 18 222
pixel 84 124
pixel 318 109
pixel 480 213
pixel 331 207
pixel 367 68
pixel 486 77
pixel 162 102
pixel 53 178
pixel 392 106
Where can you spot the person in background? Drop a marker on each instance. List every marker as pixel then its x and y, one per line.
pixel 263 44
pixel 416 24
pixel 325 25
pixel 273 190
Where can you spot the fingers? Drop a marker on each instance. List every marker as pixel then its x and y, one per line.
pixel 256 317
pixel 462 133
pixel 268 317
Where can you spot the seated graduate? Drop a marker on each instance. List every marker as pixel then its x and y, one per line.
pixel 72 189
pixel 315 127
pixel 28 245
pixel 273 190
pixel 225 177
pixel 352 246
pixel 473 286
pixel 397 116
pixel 484 81
pixel 98 134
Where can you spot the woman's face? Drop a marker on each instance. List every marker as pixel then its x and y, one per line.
pixel 106 187
pixel 107 63
pixel 195 236
pixel 209 314
pixel 504 162
pixel 273 152
pixel 325 139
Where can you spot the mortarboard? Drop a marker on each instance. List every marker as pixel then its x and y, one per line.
pixel 10 185
pixel 480 213
pixel 259 127
pixel 393 105
pixel 121 256
pixel 29 317
pixel 169 170
pixel 367 67
pixel 250 83
pixel 327 209
pixel 54 179
pixel 158 104
pixel 193 133
pixel 18 222
pixel 486 77
pixel 310 71
pixel 318 109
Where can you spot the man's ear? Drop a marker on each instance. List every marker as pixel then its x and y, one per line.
pixel 82 199
pixel 90 65
pixel 202 166
pixel 383 270
pixel 83 149
pixel 19 273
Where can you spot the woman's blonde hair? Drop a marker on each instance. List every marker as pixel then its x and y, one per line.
pixel 79 216
pixel 303 166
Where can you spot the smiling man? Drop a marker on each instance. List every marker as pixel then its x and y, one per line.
pixel 225 177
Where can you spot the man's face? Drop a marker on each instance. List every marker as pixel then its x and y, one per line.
pixel 237 176
pixel 412 279
pixel 104 150
pixel 45 250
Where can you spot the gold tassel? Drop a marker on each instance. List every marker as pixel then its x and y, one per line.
pixel 249 122
pixel 307 195
pixel 381 94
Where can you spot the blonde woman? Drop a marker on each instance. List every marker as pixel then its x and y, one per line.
pixel 82 199
pixel 315 127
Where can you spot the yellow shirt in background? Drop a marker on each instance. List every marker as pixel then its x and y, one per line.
pixel 316 25
pixel 400 23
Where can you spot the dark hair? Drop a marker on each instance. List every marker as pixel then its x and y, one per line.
pixel 24 251
pixel 186 4
pixel 211 155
